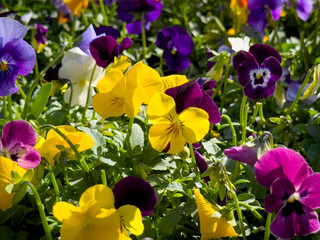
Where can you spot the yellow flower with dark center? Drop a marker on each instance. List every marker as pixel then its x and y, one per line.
pixel 96 218
pixel 171 131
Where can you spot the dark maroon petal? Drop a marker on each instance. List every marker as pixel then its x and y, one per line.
pixel 281 162
pixel 259 92
pixel 137 192
pixel 108 31
pixel 274 66
pixel 208 105
pixel 280 189
pixel 18 131
pixel 125 44
pixel 244 70
pixel 41 34
pixel 241 57
pixel 262 51
pixel 201 163
pixel 26 156
pixel 243 154
pixel 209 55
pixel 294 219
pixel 310 191
pixel 103 50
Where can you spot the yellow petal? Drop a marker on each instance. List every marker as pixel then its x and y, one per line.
pixel 110 79
pixel 314 86
pixel 108 105
pixel 173 81
pixel 211 227
pixel 101 194
pixel 195 123
pixel 121 64
pixel 132 219
pixel 48 149
pixel 63 210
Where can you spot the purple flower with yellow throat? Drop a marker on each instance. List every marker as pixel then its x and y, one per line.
pixel 258 70
pixel 16 55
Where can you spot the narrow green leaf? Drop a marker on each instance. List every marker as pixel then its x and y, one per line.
pixel 41 100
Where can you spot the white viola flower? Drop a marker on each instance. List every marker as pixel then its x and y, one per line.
pixel 238 43
pixel 78 67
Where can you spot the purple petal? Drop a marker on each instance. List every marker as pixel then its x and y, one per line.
pixel 21 54
pixel 8 80
pixel 162 39
pixel 41 34
pixel 257 20
pixel 281 162
pixel 87 37
pixel 276 12
pixel 176 62
pixel 11 29
pixel 209 55
pixel 125 44
pixel 243 154
pixel 208 105
pixel 310 191
pixel 137 192
pixel 155 14
pixel 259 92
pixel 241 57
pixel 296 220
pixel 134 27
pixel 108 31
pixel 201 163
pixel 244 71
pixel 274 66
pixel 254 4
pixel 103 50
pixel 26 156
pixel 262 51
pixel 18 131
pixel 280 189
pixel 304 7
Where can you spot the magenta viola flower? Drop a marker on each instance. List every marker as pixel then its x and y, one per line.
pixel 137 192
pixel 177 45
pixel 207 85
pixel 244 153
pixel 201 163
pixel 41 34
pixel 17 142
pixel 294 192
pixel 258 70
pixel 16 55
pixel 191 94
pixel 104 49
pixel 130 11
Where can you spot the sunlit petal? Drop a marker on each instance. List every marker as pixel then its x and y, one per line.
pixel 132 219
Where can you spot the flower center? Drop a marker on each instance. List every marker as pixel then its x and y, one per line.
pixel 83 83
pixel 259 77
pixel 3 65
pixel 294 197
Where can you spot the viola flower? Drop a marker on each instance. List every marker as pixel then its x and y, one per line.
pixel 137 192
pixel 177 45
pixel 211 227
pixel 303 8
pixel 103 49
pixel 173 81
pixel 106 2
pixel 258 70
pixel 307 97
pixel 124 93
pixel 240 9
pixel 190 94
pixel 131 11
pixel 295 192
pixel 49 149
pixel 201 163
pixel 78 67
pixel 69 8
pixel 16 55
pixel 17 142
pixel 170 130
pixel 41 37
pixel 96 217
pixel 206 85
pixel 6 167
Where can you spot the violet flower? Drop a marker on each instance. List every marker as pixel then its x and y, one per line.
pixel 177 45
pixel 190 94
pixel 130 11
pixel 104 49
pixel 295 192
pixel 258 70
pixel 206 84
pixel 293 90
pixel 106 2
pixel 16 55
pixel 201 163
pixel 137 192
pixel 17 142
pixel 41 34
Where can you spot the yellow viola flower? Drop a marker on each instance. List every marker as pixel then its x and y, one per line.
pixel 172 81
pixel 6 167
pixel 171 131
pixel 49 149
pixel 210 226
pixel 96 218
pixel 121 64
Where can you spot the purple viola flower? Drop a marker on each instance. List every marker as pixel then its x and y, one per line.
pixel 177 45
pixel 258 70
pixel 63 9
pixel 104 49
pixel 201 163
pixel 293 90
pixel 17 142
pixel 16 55
pixel 303 7
pixel 137 192
pixel 294 192
pixel 190 94
pixel 41 34
pixel 92 33
pixel 130 11
pixel 106 2
pixel 207 85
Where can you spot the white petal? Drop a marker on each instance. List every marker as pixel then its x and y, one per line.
pixel 72 70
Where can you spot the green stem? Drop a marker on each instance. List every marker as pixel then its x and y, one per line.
pixel 36 67
pixel 253 211
pixel 70 98
pixel 305 82
pixel 21 91
pixel 267 228
pixel 103 12
pixel 244 126
pixel 104 177
pixel 73 27
pixel 41 211
pixel 236 19
pixel 233 131
pixel 88 95
pixel 224 80
pixel 5 4
pixel 4 105
pixel 84 18
pixel 36 81
pixel 195 166
pixel 84 165
pixel 315 36
pixel 54 181
pixel 10 107
pixel 95 8
pixel 304 52
pixel 243 118
pixel 64 172
pixel 143 35
pixel 255 112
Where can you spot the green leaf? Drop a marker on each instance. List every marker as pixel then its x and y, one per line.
pixel 169 223
pixel 16 178
pixel 40 101
pixel 28 175
pixel 137 136
pixel 246 197
pixel 97 137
